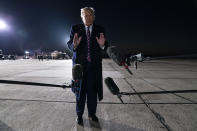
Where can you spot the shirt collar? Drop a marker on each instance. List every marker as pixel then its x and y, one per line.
pixel 90 28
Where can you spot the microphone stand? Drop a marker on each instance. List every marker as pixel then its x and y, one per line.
pixel 157 92
pixel 34 84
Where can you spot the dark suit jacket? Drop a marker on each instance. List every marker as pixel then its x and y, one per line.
pixel 80 53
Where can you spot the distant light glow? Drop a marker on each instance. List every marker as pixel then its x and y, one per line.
pixel 26 52
pixel 67 39
pixel 3 25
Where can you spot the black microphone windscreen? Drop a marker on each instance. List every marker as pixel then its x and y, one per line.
pixel 112 86
pixel 115 55
pixel 77 72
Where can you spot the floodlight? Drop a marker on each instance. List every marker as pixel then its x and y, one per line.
pixel 3 25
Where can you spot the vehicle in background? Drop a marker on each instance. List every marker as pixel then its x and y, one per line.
pixel 5 57
pixel 1 55
pixel 40 57
pixel 11 57
pixel 26 57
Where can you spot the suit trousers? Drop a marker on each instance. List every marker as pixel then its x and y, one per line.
pixel 88 91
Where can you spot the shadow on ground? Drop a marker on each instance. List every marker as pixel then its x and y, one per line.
pixel 4 127
pixel 104 125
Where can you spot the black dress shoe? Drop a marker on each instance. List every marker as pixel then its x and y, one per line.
pixel 79 120
pixel 93 118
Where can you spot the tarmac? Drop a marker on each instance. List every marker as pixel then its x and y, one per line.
pixel 39 108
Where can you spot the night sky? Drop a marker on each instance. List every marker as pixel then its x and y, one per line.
pixel 167 27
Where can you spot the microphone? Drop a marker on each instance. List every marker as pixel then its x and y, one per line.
pixel 77 74
pixel 65 85
pixel 115 55
pixel 113 88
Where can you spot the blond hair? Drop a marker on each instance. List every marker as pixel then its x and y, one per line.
pixel 87 9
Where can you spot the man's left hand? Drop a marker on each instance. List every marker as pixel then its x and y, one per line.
pixel 101 40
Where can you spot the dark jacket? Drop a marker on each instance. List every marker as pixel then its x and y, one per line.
pixel 80 53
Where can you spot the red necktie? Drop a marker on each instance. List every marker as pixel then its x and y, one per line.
pixel 88 42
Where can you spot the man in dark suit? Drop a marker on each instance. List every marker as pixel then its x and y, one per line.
pixel 87 40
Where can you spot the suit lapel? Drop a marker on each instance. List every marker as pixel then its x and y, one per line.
pixel 83 32
pixel 93 31
pixel 92 35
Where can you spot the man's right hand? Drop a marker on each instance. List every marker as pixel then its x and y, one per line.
pixel 76 40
